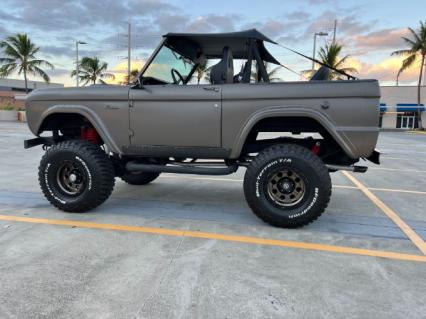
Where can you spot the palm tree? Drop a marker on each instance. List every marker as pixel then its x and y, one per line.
pixel 271 73
pixel 417 50
pixel 133 74
pixel 92 69
pixel 20 54
pixel 203 71
pixel 329 55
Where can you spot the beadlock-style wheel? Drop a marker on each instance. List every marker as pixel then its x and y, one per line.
pixel 287 186
pixel 71 178
pixel 76 176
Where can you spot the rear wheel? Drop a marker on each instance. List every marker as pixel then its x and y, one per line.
pixel 287 186
pixel 139 178
pixel 76 176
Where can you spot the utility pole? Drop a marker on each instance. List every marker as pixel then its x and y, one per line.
pixel 322 34
pixel 334 31
pixel 129 44
pixel 76 60
pixel 424 71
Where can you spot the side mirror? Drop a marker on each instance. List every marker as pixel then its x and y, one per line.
pixel 138 83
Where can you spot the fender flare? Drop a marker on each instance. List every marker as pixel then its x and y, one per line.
pixel 338 135
pixel 86 112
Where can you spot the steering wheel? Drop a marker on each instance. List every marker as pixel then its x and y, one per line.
pixel 175 75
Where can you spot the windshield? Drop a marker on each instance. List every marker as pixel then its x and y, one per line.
pixel 164 62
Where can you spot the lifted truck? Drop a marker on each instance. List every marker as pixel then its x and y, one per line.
pixel 166 122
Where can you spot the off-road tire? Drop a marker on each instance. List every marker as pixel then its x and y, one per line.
pixel 309 168
pixel 141 178
pixel 93 164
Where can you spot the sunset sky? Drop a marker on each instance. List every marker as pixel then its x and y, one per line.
pixel 369 30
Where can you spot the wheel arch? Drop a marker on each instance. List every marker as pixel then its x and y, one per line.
pixel 48 117
pixel 289 113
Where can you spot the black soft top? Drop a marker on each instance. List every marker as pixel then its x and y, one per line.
pixel 211 45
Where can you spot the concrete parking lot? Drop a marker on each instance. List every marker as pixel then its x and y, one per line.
pixel 189 246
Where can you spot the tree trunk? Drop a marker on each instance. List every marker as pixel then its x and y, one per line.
pixel 419 113
pixel 26 81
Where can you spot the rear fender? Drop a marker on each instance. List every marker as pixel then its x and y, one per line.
pixel 325 122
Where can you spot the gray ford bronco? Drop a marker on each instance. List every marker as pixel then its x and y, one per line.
pixel 288 135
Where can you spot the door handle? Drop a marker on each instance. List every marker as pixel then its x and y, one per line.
pixel 211 88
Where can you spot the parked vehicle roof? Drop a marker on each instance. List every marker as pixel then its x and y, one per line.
pixel 212 44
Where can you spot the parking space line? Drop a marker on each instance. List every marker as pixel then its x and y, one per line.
pixel 221 237
pixel 416 132
pixel 334 186
pixel 411 234
pixel 397 170
pixel 401 158
pixel 396 190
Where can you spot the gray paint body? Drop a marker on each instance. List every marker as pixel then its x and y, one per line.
pixel 212 120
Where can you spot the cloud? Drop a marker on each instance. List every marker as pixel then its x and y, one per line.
pixel 58 72
pixel 386 70
pixel 347 25
pixel 56 15
pixel 382 39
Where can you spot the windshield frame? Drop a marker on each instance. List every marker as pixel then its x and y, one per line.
pixel 155 54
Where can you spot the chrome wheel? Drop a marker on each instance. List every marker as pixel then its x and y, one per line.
pixel 286 188
pixel 71 178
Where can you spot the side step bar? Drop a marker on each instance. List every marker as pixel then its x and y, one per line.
pixel 182 169
pixel 355 169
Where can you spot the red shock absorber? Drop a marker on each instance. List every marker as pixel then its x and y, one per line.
pixel 90 134
pixel 316 148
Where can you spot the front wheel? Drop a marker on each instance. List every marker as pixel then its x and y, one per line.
pixel 76 176
pixel 287 186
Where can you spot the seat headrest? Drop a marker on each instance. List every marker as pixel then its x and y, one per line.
pixel 223 72
pixel 322 74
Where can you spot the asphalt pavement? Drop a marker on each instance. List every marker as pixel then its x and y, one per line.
pixel 188 246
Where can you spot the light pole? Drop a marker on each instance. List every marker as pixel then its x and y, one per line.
pixel 76 59
pixel 321 34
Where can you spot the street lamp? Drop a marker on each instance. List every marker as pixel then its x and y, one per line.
pixel 321 34
pixel 76 59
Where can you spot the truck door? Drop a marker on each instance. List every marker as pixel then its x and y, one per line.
pixel 175 116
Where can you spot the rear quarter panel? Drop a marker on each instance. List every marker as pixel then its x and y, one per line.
pixel 352 117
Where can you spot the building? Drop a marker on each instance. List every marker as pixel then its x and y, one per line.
pixel 398 107
pixel 19 85
pixel 12 91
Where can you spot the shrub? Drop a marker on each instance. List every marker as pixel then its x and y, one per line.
pixel 7 107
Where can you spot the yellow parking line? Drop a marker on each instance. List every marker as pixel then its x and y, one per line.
pixel 411 234
pixel 417 132
pixel 222 237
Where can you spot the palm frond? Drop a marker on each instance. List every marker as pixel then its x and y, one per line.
pixel 414 33
pixel 7 69
pixel 107 76
pixel 407 63
pixel 409 41
pixel 6 60
pixel 404 52
pixel 42 74
pixel 41 63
